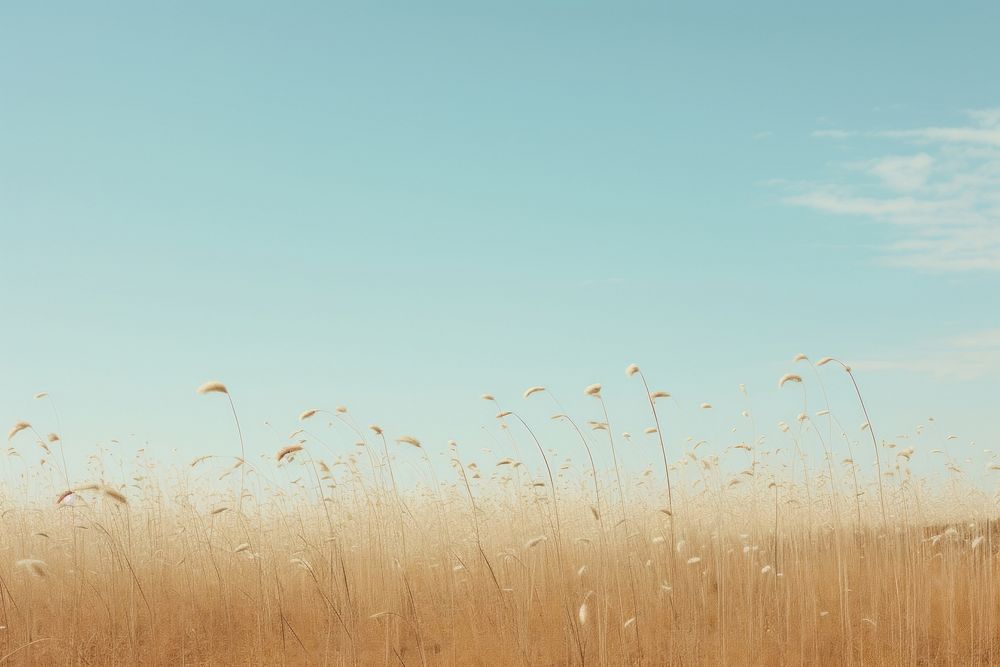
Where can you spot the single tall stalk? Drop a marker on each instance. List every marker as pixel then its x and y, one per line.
pixel 871 431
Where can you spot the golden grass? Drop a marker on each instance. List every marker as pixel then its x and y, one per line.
pixel 504 563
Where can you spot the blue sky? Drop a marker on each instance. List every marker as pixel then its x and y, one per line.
pixel 398 208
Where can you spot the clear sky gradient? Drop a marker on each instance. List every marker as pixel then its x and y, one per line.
pixel 399 206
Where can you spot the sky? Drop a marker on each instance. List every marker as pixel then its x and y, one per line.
pixel 397 207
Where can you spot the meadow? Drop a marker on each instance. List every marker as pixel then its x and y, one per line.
pixel 823 548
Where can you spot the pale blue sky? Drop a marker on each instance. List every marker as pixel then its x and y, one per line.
pixel 399 207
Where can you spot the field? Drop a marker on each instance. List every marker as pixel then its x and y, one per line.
pixel 822 550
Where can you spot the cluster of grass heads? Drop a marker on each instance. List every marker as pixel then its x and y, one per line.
pixel 312 557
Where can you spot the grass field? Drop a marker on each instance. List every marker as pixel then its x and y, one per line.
pixel 751 555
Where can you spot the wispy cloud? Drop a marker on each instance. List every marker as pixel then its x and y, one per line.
pixel 833 134
pixel 958 135
pixel 944 196
pixel 968 357
pixel 906 173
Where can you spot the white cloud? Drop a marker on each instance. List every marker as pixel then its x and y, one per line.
pixel 903 173
pixel 833 134
pixel 966 135
pixel 986 117
pixel 953 366
pixel 888 209
pixel 979 339
pixel 968 357
pixel 944 200
pixel 986 134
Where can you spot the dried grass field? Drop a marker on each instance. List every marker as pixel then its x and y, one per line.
pixel 821 549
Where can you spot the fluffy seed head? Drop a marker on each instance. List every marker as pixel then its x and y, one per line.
pixel 824 361
pixel 789 377
pixel 532 390
pixel 799 357
pixel 199 459
pixel 286 451
pixel 17 428
pixel 408 440
pixel 307 414
pixel 593 390
pixel 114 494
pixel 631 370
pixel 534 541
pixel 213 386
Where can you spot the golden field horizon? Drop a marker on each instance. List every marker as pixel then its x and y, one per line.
pixel 517 557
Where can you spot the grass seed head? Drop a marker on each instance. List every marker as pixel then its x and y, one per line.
pixel 287 451
pixel 17 428
pixel 789 377
pixel 211 387
pixel 408 440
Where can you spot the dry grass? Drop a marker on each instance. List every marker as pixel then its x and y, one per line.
pixel 326 560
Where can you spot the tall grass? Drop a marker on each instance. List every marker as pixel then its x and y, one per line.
pixel 762 553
